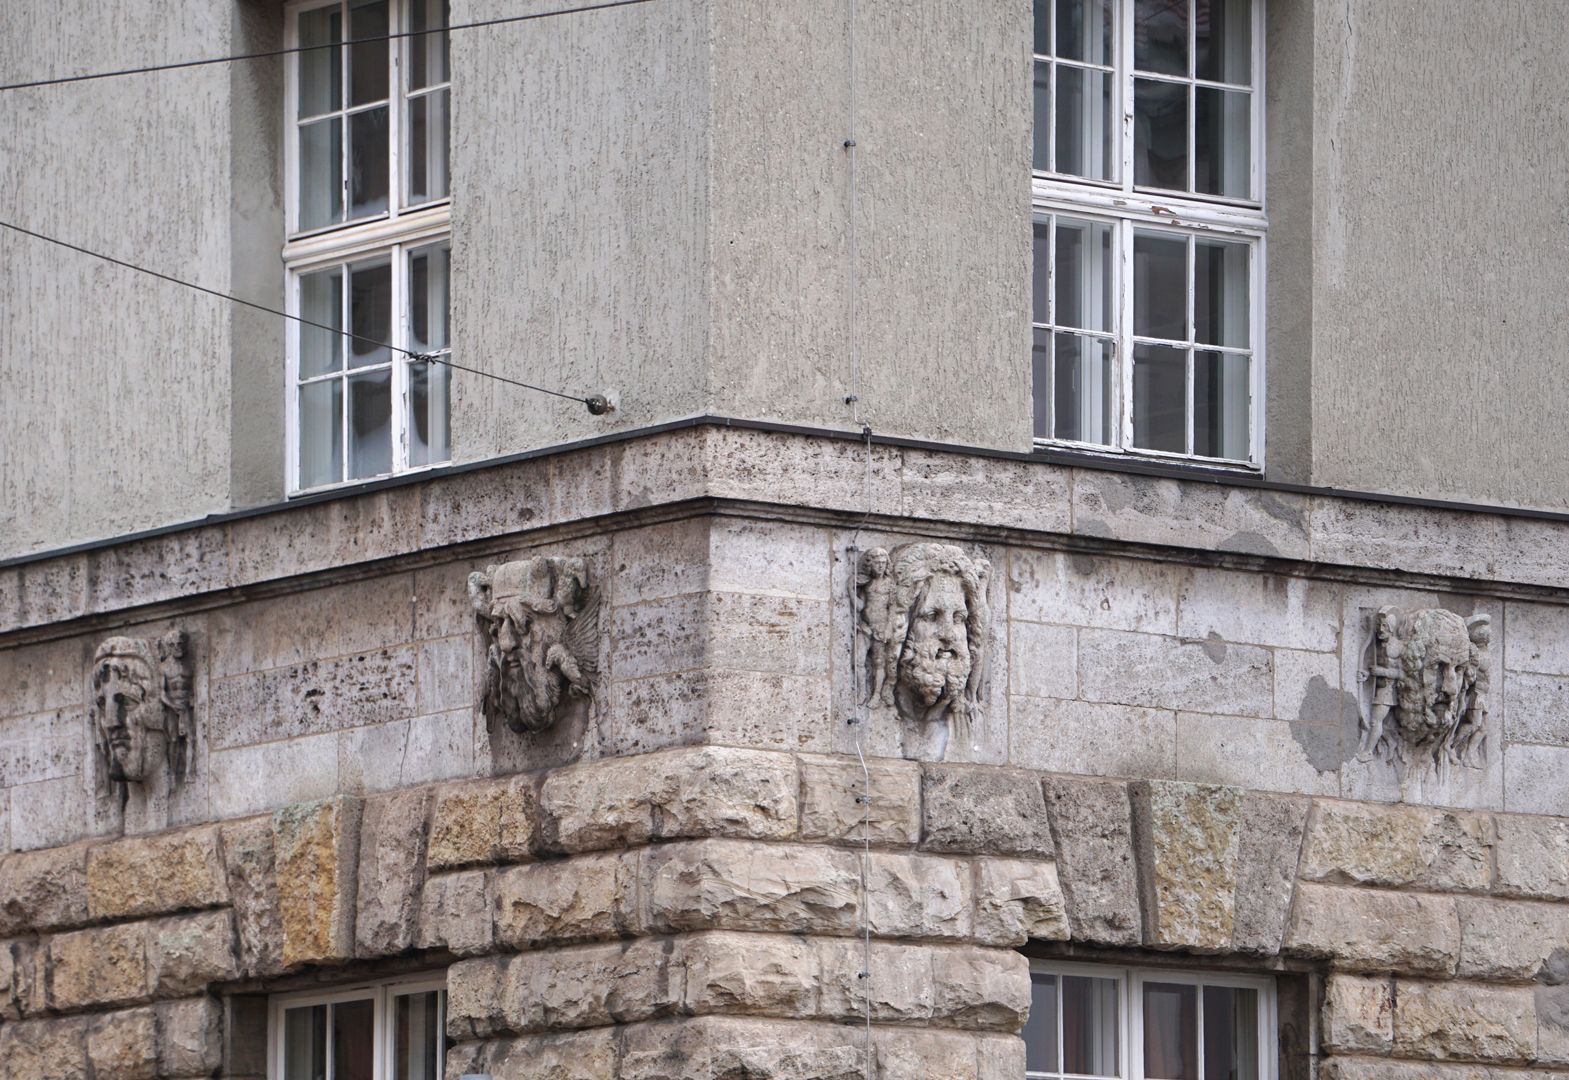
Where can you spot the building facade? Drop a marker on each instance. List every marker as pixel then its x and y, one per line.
pixel 1031 544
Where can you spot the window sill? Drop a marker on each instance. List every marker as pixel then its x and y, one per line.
pixel 346 241
pixel 1152 461
pixel 346 486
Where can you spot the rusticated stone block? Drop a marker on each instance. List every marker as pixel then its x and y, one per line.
pixel 572 1055
pixel 918 896
pixel 1359 1014
pixel 830 808
pixel 44 1049
pixel 999 1057
pixel 737 885
pixel 920 1054
pixel 316 853
pixel 124 1045
pixel 253 889
pixel 1509 940
pixel 191 1039
pixel 456 913
pixel 1370 930
pixel 1465 1021
pixel 391 872
pixel 475 1009
pixel 155 875
pixel 1018 900
pixel 585 898
pixel 23 978
pixel 750 974
pixel 984 810
pixel 1267 857
pixel 1092 823
pixel 43 890
pixel 986 989
pixel 188 953
pixel 492 821
pixel 1367 844
pixel 1533 856
pixel 1188 836
pixel 589 986
pixel 736 1047
pixel 102 966
pixel 900 982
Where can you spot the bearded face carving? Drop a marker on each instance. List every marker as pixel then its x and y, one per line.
pixel 142 709
pixel 541 622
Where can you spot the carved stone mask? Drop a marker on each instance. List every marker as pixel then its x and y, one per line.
pixel 937 645
pixel 128 709
pixel 1435 671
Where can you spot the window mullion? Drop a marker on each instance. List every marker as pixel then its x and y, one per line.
pixel 1191 335
pixel 1123 42
pixel 1124 346
pixel 395 103
pixel 400 359
pixel 347 345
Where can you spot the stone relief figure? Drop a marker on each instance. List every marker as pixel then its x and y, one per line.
pixel 142 710
pixel 541 621
pixel 922 625
pixel 1431 673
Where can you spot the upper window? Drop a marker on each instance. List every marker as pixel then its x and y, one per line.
pixel 382 1031
pixel 368 255
pixel 1149 227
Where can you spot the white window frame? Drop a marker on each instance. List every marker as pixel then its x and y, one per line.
pixel 384 1032
pixel 1126 206
pixel 391 233
pixel 1130 1016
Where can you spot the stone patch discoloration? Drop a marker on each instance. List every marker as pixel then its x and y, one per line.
pixel 1399 845
pixel 1465 1021
pixel 155 875
pixel 316 853
pixel 1188 838
pixel 43 890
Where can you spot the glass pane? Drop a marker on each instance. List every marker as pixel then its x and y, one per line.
pixel 428 53
pixel 1222 139
pixel 1085 122
pixel 370 314
pixel 321 433
pixel 430 405
pixel 1043 27
pixel 368 162
pixel 1041 161
pixel 1040 310
pixel 321 301
pixel 353 1040
pixel 1040 1030
pixel 1171 1030
pixel 1220 293
pixel 1220 405
pixel 1040 381
pixel 428 306
pixel 321 173
pixel 370 424
pixel 1160 285
pixel 1223 40
pixel 1084 30
pixel 1230 1033
pixel 305 1043
pixel 1160 36
pixel 1160 392
pixel 1089 1026
pixel 1160 134
pixel 1083 278
pixel 368 61
pixel 416 1035
pixel 1083 389
pixel 428 125
pixel 320 69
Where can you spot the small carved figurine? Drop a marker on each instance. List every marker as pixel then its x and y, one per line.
pixel 142 709
pixel 876 649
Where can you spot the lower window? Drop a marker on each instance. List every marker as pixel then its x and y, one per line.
pixel 378 1031
pixel 1100 1021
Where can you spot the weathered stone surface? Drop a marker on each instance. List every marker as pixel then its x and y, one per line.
pixel 253 889
pixel 475 1009
pixel 191 1040
pixel 900 982
pixel 1359 1014
pixel 1533 856
pixel 751 974
pixel 985 989
pixel 984 810
pixel 316 853
pixel 1092 824
pixel 43 890
pixel 1508 940
pixel 1188 840
pixel 920 1054
pixel 103 966
pixel 574 1055
pixel 23 978
pixel 918 896
pixel 830 810
pixel 736 885
pixel 1267 857
pixel 734 1047
pixel 481 823
pixel 456 913
pixel 187 953
pixel 1368 844
pixel 155 875
pixel 391 872
pixel 589 985
pixel 1204 675
pixel 124 1045
pixel 1466 1021
pixel 1370 930
pixel 1018 900
pixel 585 898
pixel 44 1049
pixel 999 1057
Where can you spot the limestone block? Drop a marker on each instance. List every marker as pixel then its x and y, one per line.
pixel 456 913
pixel 1082 590
pixel 481 823
pixel 1533 856
pixel 475 1008
pixel 253 889
pixel 1370 930
pixel 390 873
pixel 316 854
pixel 191 1037
pixel 44 1049
pixel 1552 1011
pixel 920 1054
pixel 1509 940
pixel 1368 844
pixel 1466 1021
pixel 899 980
pixel 1189 837
pixel 585 898
pixel 43 890
pixel 1267 857
pixel 589 986
pixel 980 988
pixel 1000 1057
pixel 984 810
pixel 101 966
pixel 23 978
pixel 1018 900
pixel 1359 1014
pixel 574 1055
pixel 830 810
pixel 1205 675
pixel 155 875
pixel 375 686
pixel 1092 822
pixel 751 974
pixel 187 953
pixel 124 1045
pixel 711 1047
pixel 737 885
pixel 918 896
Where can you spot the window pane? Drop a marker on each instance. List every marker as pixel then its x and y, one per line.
pixel 1041 311
pixel 1160 392
pixel 1222 137
pixel 417 1026
pixel 1230 1033
pixel 428 125
pixel 321 433
pixel 370 314
pixel 1084 123
pixel 1220 293
pixel 428 306
pixel 1084 30
pixel 1043 27
pixel 1223 40
pixel 320 70
pixel 1084 274
pixel 430 404
pixel 305 1043
pixel 1160 285
pixel 1160 36
pixel 321 301
pixel 1089 1026
pixel 353 1042
pixel 321 173
pixel 368 162
pixel 368 61
pixel 1084 389
pixel 1040 1030
pixel 1041 379
pixel 1170 1031
pixel 1220 405
pixel 1160 134
pixel 1042 159
pixel 428 53
pixel 370 424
